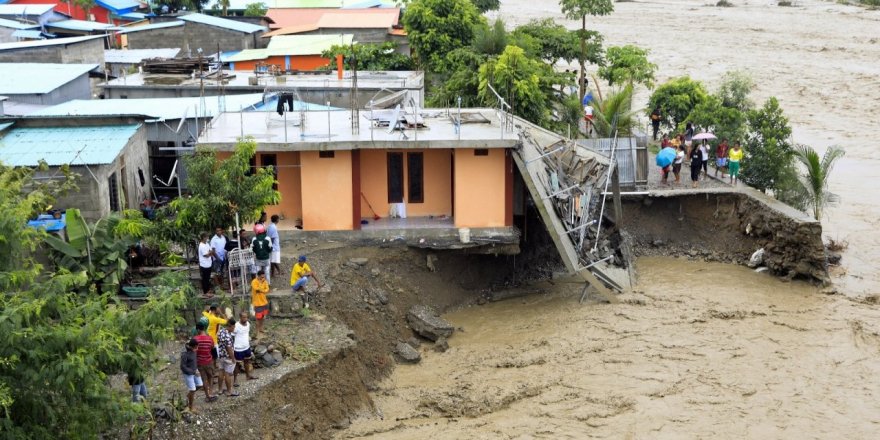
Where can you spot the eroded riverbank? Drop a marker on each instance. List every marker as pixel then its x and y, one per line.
pixel 705 349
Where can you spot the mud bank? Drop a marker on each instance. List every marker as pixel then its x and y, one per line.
pixel 727 227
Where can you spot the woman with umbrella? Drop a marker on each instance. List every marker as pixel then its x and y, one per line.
pixel 664 160
pixel 679 159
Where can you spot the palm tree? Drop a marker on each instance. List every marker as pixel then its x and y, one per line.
pixel 814 181
pixel 615 105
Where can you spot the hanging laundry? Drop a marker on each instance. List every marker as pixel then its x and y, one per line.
pixel 282 99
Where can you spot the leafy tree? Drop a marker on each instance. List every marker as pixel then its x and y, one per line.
pixel 677 98
pixel 487 5
pixel 490 40
pixel 553 42
pixel 736 86
pixel 220 188
pixel 251 10
pixel 437 27
pixel 57 347
pixel 579 9
pixel 614 111
pixel 814 179
pixel 459 81
pixel 517 79
pixel 628 64
pixel 85 5
pixel 371 56
pixel 713 116
pixel 768 147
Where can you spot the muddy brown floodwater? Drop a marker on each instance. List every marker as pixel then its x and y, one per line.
pixel 701 350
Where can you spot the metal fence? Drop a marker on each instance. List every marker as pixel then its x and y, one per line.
pixel 631 157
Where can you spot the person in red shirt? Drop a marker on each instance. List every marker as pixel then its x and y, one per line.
pixel 665 142
pixel 721 158
pixel 204 360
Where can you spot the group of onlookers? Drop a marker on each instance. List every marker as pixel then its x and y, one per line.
pixel 698 152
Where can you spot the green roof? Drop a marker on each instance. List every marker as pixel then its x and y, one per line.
pixel 97 145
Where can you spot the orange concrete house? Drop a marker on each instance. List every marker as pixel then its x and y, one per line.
pixel 443 175
pixel 289 52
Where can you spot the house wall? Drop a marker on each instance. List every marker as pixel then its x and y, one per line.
pixel 437 183
pixel 75 12
pixel 289 185
pixel 158 39
pixel 327 191
pixel 6 35
pixel 83 52
pixel 481 189
pixel 297 62
pixel 192 36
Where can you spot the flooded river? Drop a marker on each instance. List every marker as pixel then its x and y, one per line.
pixel 700 350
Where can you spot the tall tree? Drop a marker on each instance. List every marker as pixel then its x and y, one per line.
pixel 677 97
pixel 251 10
pixel 579 9
pixel 736 86
pixel 487 5
pixel 58 348
pixel 628 64
pixel 553 42
pixel 768 147
pixel 814 178
pixel 437 27
pixel 517 79
pixel 86 5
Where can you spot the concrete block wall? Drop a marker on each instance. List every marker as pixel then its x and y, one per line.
pixel 157 38
pixel 84 52
pixel 208 37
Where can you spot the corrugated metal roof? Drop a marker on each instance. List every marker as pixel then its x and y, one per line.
pixel 81 25
pixel 296 17
pixel 150 27
pixel 311 4
pixel 355 18
pixel 25 9
pixel 289 30
pixel 306 44
pixel 37 78
pixel 222 23
pixel 28 34
pixel 312 17
pixel 52 42
pixel 135 16
pixel 12 24
pixel 292 45
pixel 118 6
pixel 157 109
pixel 134 56
pixel 5 125
pixel 64 145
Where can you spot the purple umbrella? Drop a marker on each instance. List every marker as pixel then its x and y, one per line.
pixel 704 135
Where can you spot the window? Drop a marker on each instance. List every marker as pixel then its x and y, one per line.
pixel 481 152
pixel 270 160
pixel 141 177
pixel 253 166
pixel 326 154
pixel 113 185
pixel 395 177
pixel 414 171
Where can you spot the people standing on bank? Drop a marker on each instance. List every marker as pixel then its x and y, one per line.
pixel 300 276
pixel 262 247
pixel 204 360
pixel 665 141
pixel 259 289
pixel 241 345
pixel 676 165
pixel 138 384
pixel 689 134
pixel 721 158
pixel 226 357
pixel 191 377
pixel 206 263
pixel 655 121
pixel 218 245
pixel 275 257
pixel 696 165
pixel 704 157
pixel 735 157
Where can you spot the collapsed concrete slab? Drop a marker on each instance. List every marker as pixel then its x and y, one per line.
pixel 425 321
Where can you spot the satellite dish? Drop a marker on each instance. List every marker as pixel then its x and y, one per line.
pixel 395 119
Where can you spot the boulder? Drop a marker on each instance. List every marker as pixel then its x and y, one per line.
pixel 425 321
pixel 441 345
pixel 414 342
pixel 407 354
pixel 757 258
pixel 359 261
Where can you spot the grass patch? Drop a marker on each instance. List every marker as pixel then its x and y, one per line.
pixel 304 353
pixel 724 4
pixel 784 3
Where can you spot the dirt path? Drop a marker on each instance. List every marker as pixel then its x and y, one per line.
pixel 707 350
pixel 819 59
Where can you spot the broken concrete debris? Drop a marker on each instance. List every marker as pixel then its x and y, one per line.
pixel 425 322
pixel 441 345
pixel 406 353
pixel 757 258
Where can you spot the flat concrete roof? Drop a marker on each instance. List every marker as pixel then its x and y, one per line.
pixel 368 80
pixel 331 130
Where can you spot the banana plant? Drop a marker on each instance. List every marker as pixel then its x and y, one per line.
pixel 100 249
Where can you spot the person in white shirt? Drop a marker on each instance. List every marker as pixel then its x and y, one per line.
pixel 218 245
pixel 275 257
pixel 241 346
pixel 206 262
pixel 704 151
